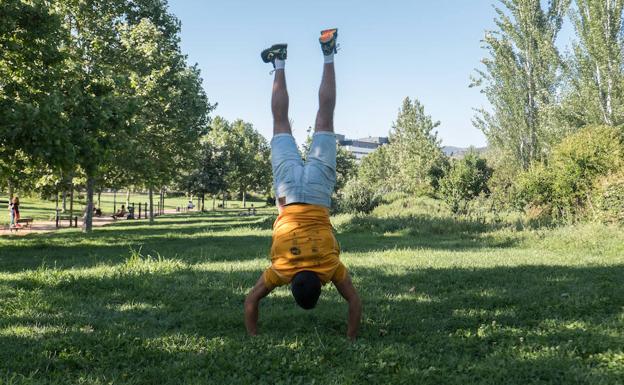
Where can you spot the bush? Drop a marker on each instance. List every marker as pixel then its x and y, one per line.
pixel 465 180
pixel 566 182
pixel 608 198
pixel 358 197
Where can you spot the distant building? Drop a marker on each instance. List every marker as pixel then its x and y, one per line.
pixel 361 147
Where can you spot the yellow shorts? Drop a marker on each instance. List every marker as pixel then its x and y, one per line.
pixel 303 239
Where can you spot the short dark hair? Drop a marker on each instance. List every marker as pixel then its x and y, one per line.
pixel 306 288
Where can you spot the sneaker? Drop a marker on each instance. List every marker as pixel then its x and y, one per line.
pixel 277 51
pixel 328 41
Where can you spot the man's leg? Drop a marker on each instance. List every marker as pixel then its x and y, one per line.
pixel 276 55
pixel 327 100
pixel 327 91
pixel 279 104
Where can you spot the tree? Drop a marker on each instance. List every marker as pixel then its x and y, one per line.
pixel 521 78
pixel 250 167
pixel 346 168
pixel 414 148
pixel 208 174
pixel 464 180
pixel 596 68
pixel 173 106
pixel 31 102
pixel 376 169
pixel 97 89
pixel 245 154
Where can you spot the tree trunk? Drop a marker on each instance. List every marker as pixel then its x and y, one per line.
pixel 114 201
pixel 244 200
pixel 203 199
pixel 71 199
pixel 162 201
pixel 11 191
pixel 127 198
pixel 223 203
pixel 87 223
pixel 151 205
pixel 64 200
pixel 214 201
pixel 99 198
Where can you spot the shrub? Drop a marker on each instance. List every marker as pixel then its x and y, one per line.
pixel 608 198
pixel 565 184
pixel 358 197
pixel 465 179
pixel 534 187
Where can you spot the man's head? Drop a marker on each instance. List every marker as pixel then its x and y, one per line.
pixel 306 288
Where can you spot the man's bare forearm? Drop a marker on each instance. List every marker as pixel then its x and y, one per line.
pixel 251 317
pixel 355 315
pixel 259 291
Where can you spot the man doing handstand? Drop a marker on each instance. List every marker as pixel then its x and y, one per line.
pixel 304 251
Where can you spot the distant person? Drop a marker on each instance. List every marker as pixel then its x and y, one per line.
pixel 14 212
pixel 190 205
pixel 120 213
pixel 253 209
pixel 304 251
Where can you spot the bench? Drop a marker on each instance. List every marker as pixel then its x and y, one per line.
pixel 73 221
pixel 26 221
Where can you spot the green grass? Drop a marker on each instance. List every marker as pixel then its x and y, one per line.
pixel 446 301
pixel 42 209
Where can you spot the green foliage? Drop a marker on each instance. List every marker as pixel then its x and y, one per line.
pixel 237 158
pixel 521 77
pixel 595 69
pixel 358 197
pixel 376 168
pixel 465 179
pixel 414 151
pixel 346 168
pixel 566 182
pixel 608 198
pixel 32 66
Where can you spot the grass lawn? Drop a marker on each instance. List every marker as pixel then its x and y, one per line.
pixel 445 302
pixel 42 209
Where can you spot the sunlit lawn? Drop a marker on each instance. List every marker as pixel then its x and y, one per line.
pixel 43 209
pixel 445 302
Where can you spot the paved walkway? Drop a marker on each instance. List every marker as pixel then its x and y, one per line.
pixel 49 226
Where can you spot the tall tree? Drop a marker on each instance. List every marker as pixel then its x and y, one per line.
pixel 376 169
pixel 596 68
pixel 173 106
pixel 521 77
pixel 249 168
pixel 32 62
pixel 99 105
pixel 414 148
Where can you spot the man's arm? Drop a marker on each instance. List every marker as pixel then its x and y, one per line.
pixel 348 292
pixel 258 292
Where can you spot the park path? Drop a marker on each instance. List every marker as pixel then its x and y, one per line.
pixel 50 226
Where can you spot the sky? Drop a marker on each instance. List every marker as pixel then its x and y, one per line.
pixel 389 50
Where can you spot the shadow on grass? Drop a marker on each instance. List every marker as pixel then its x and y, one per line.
pixel 162 320
pixel 190 237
